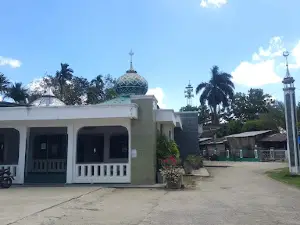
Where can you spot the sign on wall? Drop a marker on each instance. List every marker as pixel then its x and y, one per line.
pixel 133 153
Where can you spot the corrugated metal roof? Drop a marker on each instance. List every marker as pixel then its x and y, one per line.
pixel 213 142
pixel 204 139
pixel 248 134
pixel 274 138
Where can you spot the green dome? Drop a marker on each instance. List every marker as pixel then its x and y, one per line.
pixel 131 83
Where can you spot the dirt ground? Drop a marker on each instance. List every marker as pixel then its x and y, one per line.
pixel 240 194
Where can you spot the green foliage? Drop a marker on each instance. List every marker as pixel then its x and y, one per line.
pixel 166 148
pixel 4 83
pixel 232 127
pixel 189 108
pixel 74 90
pixel 256 125
pixel 275 114
pixel 203 112
pixel 17 92
pixel 250 106
pixel 195 160
pixel 217 91
pixel 283 175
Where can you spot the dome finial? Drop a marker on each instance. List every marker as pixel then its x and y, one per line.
pixel 131 53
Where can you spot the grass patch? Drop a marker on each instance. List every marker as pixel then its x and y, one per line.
pixel 283 175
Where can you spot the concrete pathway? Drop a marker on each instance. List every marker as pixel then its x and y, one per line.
pixel 239 195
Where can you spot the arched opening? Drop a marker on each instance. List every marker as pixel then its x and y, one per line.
pixel 9 146
pixel 102 144
pixel 102 155
pixel 46 158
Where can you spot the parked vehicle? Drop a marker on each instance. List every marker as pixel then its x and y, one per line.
pixel 5 178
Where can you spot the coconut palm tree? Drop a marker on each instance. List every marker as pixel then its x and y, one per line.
pixel 4 83
pixel 65 74
pixel 17 92
pixel 217 91
pixel 95 92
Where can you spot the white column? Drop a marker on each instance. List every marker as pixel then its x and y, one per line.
pixel 129 150
pixel 71 155
pixel 22 151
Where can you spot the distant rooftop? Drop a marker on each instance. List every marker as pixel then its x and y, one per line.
pixel 275 138
pixel 248 134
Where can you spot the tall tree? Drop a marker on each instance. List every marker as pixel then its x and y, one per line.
pixel 75 92
pixel 275 114
pixel 4 83
pixel 95 92
pixel 109 87
pixel 217 91
pixel 251 105
pixel 17 92
pixel 62 76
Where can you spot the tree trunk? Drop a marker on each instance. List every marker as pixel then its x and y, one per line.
pixel 215 113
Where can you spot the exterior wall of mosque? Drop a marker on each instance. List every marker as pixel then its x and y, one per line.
pixel 143 140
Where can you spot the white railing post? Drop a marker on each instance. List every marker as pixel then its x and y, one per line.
pixel 227 154
pixel 255 152
pixel 272 156
pixel 241 153
pixel 112 175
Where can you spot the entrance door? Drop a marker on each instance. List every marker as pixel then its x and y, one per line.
pixel 49 159
pixel 50 153
pixel 90 148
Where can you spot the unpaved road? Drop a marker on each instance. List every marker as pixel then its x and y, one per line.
pixel 238 195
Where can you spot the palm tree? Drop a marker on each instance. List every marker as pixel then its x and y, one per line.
pixel 219 90
pixel 4 83
pixel 65 74
pixel 95 93
pixel 17 92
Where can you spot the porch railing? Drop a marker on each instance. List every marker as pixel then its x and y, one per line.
pixel 273 155
pixel 102 173
pixel 13 169
pixel 50 165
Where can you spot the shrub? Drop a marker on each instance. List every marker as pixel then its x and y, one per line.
pixel 195 160
pixel 166 148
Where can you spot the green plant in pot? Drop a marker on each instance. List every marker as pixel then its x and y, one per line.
pixel 172 172
pixel 164 149
pixel 192 162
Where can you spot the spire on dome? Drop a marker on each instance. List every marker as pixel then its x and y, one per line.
pixel 131 70
pixel 131 53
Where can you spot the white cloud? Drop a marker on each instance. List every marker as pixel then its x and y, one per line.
pixel 296 57
pixel 159 95
pixel 212 3
pixel 275 49
pixel 261 70
pixel 256 74
pixel 14 63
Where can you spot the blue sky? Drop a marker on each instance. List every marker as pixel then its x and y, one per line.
pixel 174 41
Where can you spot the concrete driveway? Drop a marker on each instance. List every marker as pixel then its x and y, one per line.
pixel 240 194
